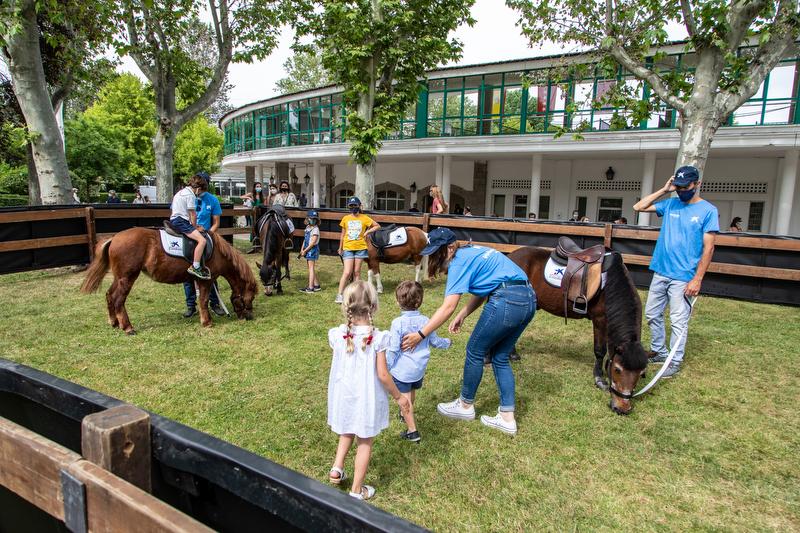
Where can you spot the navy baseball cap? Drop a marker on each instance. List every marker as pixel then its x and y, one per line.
pixel 353 201
pixel 438 238
pixel 686 175
pixel 203 174
pixel 313 214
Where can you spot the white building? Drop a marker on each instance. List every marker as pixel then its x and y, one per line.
pixel 487 138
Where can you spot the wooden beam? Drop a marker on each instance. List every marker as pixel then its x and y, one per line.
pixel 47 242
pixel 30 216
pixel 91 233
pixel 30 467
pixel 118 439
pixel 132 212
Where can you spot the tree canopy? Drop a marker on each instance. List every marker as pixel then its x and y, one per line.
pixel 304 71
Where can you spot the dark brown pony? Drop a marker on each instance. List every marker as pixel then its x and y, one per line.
pixel 137 250
pixel 273 240
pixel 415 243
pixel 616 314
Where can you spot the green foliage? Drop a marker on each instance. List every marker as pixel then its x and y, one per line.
pixel 198 147
pixel 304 71
pixel 13 179
pixel 378 50
pixel 94 154
pixel 13 200
pixel 125 110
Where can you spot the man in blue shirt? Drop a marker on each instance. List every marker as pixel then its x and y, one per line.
pixel 205 217
pixel 680 260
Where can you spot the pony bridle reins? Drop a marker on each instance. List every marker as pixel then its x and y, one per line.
pixel 611 388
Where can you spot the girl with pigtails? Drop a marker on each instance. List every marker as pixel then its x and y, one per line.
pixel 358 408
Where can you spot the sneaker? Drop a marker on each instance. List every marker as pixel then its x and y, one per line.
pixel 671 370
pixel 218 310
pixel 307 290
pixel 412 436
pixel 455 409
pixel 201 272
pixel 338 299
pixel 658 358
pixel 190 312
pixel 317 288
pixel 497 422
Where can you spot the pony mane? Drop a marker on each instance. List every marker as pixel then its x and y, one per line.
pixel 623 310
pixel 270 242
pixel 239 264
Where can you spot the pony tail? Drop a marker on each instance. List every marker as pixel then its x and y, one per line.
pixel 348 337
pixel 367 340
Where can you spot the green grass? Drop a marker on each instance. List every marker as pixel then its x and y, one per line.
pixel 714 449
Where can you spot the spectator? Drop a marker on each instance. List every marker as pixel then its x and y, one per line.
pixel 303 200
pixel 458 210
pixel 75 197
pixel 585 219
pixel 146 199
pixel 439 206
pixel 285 197
pixel 467 211
pixel 736 224
pixel 247 201
pixel 138 198
pixel 575 216
pixel 413 209
pixel 532 216
pixel 621 220
pixel 113 198
pixel 257 195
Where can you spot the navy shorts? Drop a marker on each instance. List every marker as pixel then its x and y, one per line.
pixel 404 387
pixel 182 225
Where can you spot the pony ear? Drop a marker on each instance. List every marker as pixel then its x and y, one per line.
pixel 618 349
pixel 258 265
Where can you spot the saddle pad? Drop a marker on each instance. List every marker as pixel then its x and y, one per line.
pixel 171 244
pixel 553 272
pixel 397 237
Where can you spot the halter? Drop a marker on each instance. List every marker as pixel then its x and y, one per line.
pixel 612 390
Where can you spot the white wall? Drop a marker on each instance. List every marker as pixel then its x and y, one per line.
pixel 404 174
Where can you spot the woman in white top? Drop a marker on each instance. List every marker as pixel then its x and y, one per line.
pixel 358 408
pixel 285 197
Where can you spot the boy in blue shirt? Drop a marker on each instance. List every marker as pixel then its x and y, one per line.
pixel 206 218
pixel 680 260
pixel 408 367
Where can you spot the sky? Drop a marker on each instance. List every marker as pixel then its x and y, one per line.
pixel 494 37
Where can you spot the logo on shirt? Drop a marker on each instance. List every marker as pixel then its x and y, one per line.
pixel 353 229
pixel 674 215
pixel 696 219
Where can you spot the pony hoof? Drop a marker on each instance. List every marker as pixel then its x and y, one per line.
pixel 130 332
pixel 601 384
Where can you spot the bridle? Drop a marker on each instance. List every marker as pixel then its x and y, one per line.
pixel 611 389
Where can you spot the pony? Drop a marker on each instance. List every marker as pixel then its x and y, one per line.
pixel 415 243
pixel 616 315
pixel 136 250
pixel 273 232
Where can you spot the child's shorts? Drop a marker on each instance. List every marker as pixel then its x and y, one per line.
pixel 404 387
pixel 355 254
pixel 312 254
pixel 182 225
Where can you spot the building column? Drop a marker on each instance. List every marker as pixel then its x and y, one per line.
pixel 786 193
pixel 250 177
pixel 536 184
pixel 281 171
pixel 438 171
pixel 648 176
pixel 446 163
pixel 261 174
pixel 315 184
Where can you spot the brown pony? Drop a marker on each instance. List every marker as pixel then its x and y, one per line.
pixel 616 314
pixel 135 250
pixel 415 243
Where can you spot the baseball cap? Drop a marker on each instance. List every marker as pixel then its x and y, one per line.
pixel 203 174
pixel 686 175
pixel 353 201
pixel 438 238
pixel 313 214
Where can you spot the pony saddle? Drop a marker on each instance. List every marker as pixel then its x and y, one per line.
pixel 281 218
pixel 388 237
pixel 177 244
pixel 582 272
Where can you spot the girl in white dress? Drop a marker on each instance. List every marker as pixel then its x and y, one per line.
pixel 358 408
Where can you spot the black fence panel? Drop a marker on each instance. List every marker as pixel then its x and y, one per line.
pixel 217 483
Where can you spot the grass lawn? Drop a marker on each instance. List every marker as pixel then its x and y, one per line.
pixel 716 448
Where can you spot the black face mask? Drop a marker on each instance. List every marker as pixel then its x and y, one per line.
pixel 355 210
pixel 284 190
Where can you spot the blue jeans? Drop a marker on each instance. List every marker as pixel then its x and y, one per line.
pixel 665 290
pixel 505 315
pixel 191 295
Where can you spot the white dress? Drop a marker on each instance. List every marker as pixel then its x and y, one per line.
pixel 357 401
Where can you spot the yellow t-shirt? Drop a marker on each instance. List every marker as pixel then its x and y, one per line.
pixel 354 227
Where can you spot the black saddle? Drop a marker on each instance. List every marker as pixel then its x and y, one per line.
pixel 380 238
pixel 278 213
pixel 190 244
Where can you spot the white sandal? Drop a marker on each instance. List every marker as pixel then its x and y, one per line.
pixel 361 496
pixel 337 480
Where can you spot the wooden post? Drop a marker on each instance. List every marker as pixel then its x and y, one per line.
pixel 91 232
pixel 607 235
pixel 118 439
pixel 426 222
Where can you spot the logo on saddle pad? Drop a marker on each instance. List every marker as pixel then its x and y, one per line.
pixel 553 273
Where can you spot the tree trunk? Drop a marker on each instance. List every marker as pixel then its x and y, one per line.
pixel 365 184
pixel 163 143
pixel 34 196
pixel 30 88
pixel 697 132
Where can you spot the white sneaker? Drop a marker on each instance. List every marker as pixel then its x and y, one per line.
pixel 497 422
pixel 338 299
pixel 456 409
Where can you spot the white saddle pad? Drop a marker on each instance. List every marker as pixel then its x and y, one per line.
pixel 397 237
pixel 553 272
pixel 171 244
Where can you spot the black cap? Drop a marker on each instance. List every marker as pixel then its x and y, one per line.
pixel 686 175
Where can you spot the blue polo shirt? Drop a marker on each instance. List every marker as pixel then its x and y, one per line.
pixel 479 270
pixel 680 243
pixel 207 206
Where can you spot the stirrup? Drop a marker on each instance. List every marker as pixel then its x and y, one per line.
pixel 576 305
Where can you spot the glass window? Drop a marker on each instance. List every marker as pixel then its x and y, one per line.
pixel 520 206
pixel 610 209
pixel 390 201
pixel 782 81
pixel 342 196
pixel 544 208
pixel 754 218
pixel 499 205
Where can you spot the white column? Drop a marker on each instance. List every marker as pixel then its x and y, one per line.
pixel 261 174
pixel 536 184
pixel 439 171
pixel 446 163
pixel 786 193
pixel 648 176
pixel 315 184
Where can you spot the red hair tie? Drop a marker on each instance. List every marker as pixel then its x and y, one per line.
pixel 368 340
pixel 348 336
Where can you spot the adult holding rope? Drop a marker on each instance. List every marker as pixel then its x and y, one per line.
pixel 510 303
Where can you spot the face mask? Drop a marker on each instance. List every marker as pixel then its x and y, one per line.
pixel 355 210
pixel 273 191
pixel 284 190
pixel 685 196
pixel 312 222
pixel 258 189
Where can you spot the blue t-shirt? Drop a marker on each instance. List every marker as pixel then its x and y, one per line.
pixel 680 243
pixel 207 206
pixel 479 270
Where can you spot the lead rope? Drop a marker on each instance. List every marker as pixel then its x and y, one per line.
pixel 690 302
pixel 219 297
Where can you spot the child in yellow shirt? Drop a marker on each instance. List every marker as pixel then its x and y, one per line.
pixel 352 243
